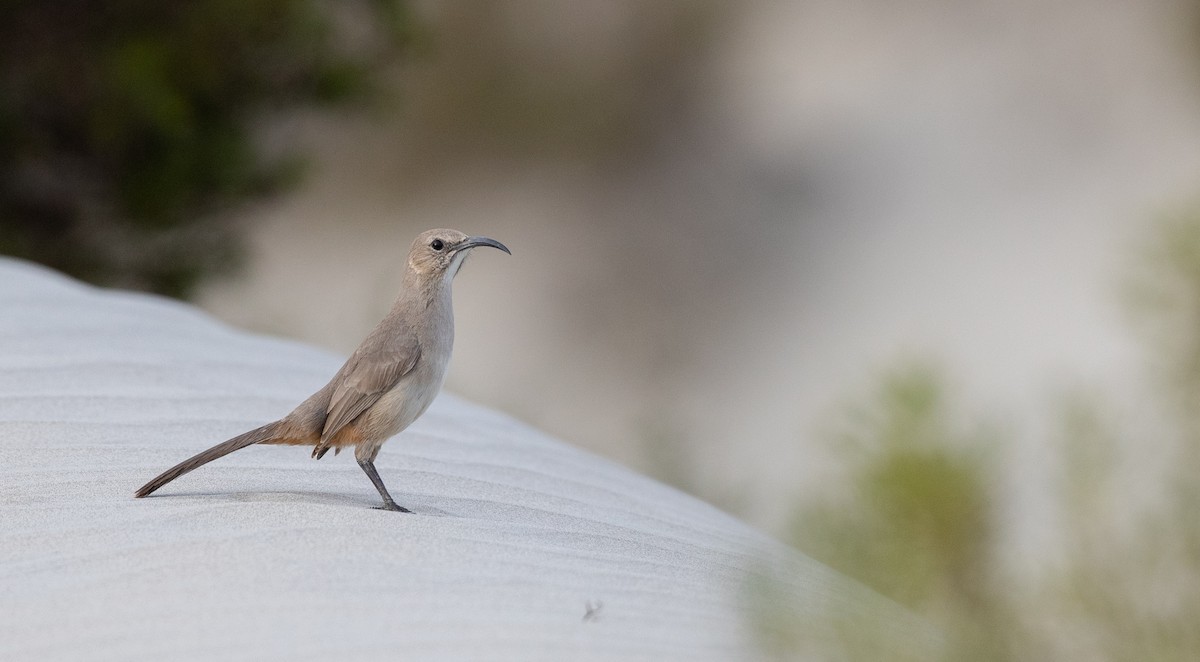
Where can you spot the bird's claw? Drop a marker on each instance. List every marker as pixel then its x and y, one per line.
pixel 393 507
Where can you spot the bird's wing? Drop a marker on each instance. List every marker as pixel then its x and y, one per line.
pixel 373 370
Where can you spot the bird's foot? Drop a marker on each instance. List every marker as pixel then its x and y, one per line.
pixel 391 505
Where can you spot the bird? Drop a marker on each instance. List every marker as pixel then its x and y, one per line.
pixel 386 383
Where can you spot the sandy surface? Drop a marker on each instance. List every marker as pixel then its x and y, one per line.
pixel 266 554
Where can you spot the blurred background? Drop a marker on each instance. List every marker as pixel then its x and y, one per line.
pixel 739 230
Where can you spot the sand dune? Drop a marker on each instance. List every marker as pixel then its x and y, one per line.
pixel 521 547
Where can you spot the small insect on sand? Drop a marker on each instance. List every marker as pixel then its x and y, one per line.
pixel 592 611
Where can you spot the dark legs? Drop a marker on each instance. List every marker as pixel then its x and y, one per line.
pixel 369 468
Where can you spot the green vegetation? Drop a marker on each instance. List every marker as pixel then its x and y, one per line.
pixel 921 516
pixel 127 128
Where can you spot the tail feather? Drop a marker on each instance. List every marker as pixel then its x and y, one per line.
pixel 256 436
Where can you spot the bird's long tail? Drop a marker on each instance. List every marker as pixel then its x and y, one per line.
pixel 265 433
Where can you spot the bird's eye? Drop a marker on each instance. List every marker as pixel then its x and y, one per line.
pixel 437 244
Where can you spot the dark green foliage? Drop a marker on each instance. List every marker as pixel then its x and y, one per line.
pixel 126 127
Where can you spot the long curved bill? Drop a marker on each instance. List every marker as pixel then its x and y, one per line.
pixel 473 242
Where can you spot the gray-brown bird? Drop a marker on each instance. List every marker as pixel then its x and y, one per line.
pixel 387 382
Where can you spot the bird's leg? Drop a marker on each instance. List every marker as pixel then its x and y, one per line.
pixel 369 468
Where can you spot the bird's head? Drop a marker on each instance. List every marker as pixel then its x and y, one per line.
pixel 437 253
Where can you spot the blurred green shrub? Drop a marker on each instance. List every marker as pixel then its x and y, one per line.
pixel 127 127
pixel 914 518
pixel 919 516
pixel 1162 297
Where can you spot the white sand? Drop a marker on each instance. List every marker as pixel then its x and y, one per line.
pixel 266 554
